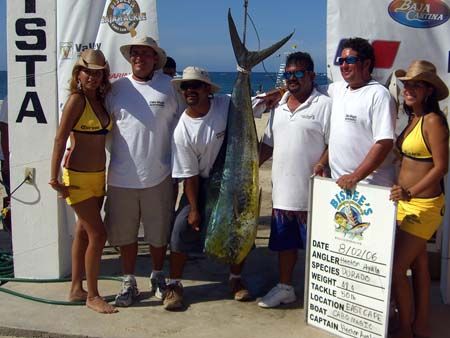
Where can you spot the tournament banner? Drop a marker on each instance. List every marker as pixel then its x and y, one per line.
pixel 400 31
pixel 104 25
pixel 349 258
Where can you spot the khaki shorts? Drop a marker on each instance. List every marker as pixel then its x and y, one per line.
pixel 126 209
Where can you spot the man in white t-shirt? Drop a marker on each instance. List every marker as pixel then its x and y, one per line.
pixel 145 108
pixel 296 138
pixel 197 141
pixel 362 121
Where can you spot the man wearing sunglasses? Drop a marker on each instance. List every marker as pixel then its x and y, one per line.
pixel 362 121
pixel 197 141
pixel 296 138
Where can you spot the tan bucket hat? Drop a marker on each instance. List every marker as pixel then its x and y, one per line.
pixel 92 59
pixel 192 73
pixel 421 70
pixel 148 42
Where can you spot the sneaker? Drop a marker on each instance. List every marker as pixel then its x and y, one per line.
pixel 239 290
pixel 280 294
pixel 173 297
pixel 129 292
pixel 158 285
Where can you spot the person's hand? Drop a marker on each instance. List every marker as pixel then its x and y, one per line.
pixel 320 170
pixel 348 181
pixel 270 98
pixel 63 190
pixel 398 193
pixel 194 219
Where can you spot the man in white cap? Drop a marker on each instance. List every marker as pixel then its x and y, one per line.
pixel 197 141
pixel 144 107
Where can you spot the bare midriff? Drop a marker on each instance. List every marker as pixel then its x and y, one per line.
pixel 87 153
pixel 412 171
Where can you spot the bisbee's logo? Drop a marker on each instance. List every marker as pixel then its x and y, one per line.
pixel 123 16
pixel 419 13
pixel 350 208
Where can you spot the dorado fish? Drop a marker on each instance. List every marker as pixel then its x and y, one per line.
pixel 232 195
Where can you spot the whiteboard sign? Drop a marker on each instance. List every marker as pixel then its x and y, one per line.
pixel 350 250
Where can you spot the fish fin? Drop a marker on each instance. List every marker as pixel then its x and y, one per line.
pixel 246 59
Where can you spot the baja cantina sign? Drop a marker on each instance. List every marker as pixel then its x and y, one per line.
pixel 419 13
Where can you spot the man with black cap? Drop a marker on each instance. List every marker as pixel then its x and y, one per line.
pixel 145 108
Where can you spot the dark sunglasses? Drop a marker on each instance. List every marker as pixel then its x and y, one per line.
pixel 191 84
pixel 298 74
pixel 350 60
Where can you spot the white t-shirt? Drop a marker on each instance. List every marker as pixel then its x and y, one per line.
pixel 197 141
pixel 4 119
pixel 298 139
pixel 144 115
pixel 359 119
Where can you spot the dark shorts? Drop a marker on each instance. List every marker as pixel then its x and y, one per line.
pixel 184 238
pixel 288 230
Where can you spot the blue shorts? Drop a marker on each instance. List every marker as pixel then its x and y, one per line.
pixel 288 230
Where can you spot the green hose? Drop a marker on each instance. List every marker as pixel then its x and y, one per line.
pixel 7 275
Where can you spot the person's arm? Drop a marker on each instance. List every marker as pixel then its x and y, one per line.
pixel 321 167
pixel 372 161
pixel 191 187
pixel 5 142
pixel 71 113
pixel 436 135
pixel 265 152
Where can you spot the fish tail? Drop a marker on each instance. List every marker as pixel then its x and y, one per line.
pixel 247 59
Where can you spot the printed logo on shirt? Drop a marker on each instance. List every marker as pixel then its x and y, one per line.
pixel 350 118
pixel 220 134
pixel 308 116
pixel 350 207
pixel 156 103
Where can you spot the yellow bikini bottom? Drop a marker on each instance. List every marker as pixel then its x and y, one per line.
pixel 86 184
pixel 421 217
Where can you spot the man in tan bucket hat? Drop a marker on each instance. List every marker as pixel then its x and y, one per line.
pixel 197 141
pixel 145 108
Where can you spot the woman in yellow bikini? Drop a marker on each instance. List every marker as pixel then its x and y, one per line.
pixel 86 122
pixel 419 192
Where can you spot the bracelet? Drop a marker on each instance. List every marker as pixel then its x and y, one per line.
pixel 408 193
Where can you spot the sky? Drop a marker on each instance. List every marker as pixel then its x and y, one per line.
pixel 196 32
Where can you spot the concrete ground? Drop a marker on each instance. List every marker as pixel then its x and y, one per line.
pixel 210 311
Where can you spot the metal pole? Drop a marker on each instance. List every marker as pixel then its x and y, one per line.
pixel 245 21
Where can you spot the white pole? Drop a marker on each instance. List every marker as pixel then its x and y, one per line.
pixel 41 241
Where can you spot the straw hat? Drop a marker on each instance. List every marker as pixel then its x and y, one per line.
pixel 421 70
pixel 92 59
pixel 192 73
pixel 148 42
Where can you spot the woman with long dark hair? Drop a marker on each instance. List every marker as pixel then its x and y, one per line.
pixel 86 122
pixel 419 192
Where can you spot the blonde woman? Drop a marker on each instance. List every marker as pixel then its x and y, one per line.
pixel 86 122
pixel 419 192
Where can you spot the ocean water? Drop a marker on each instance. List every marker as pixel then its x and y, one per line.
pixel 259 81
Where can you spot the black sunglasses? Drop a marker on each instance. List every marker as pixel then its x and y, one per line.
pixel 191 84
pixel 298 74
pixel 350 60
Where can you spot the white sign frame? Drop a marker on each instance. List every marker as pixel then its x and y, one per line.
pixel 367 199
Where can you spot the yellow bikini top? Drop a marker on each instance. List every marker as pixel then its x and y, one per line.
pixel 414 146
pixel 89 122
